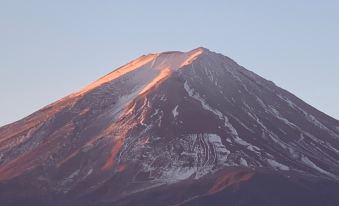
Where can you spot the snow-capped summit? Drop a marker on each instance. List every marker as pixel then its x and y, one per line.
pixel 161 64
pixel 188 126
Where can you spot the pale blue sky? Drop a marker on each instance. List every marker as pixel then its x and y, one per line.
pixel 49 49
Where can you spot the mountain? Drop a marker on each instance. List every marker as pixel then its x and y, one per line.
pixel 173 128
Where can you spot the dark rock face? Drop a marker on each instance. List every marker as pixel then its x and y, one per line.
pixel 173 128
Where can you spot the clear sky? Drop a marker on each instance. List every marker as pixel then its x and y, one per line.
pixel 49 49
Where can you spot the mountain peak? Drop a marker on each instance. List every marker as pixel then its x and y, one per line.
pixel 171 121
pixel 198 49
pixel 203 49
pixel 167 62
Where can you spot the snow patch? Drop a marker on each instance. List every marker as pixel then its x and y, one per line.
pixel 332 148
pixel 278 116
pixel 74 174
pixel 311 164
pixel 243 162
pixel 155 113
pixel 163 98
pixel 221 151
pixel 261 102
pixel 164 73
pixel 90 172
pixel 175 111
pixel 314 120
pixel 175 174
pixel 249 146
pixel 192 56
pixel 277 165
pixel 204 105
